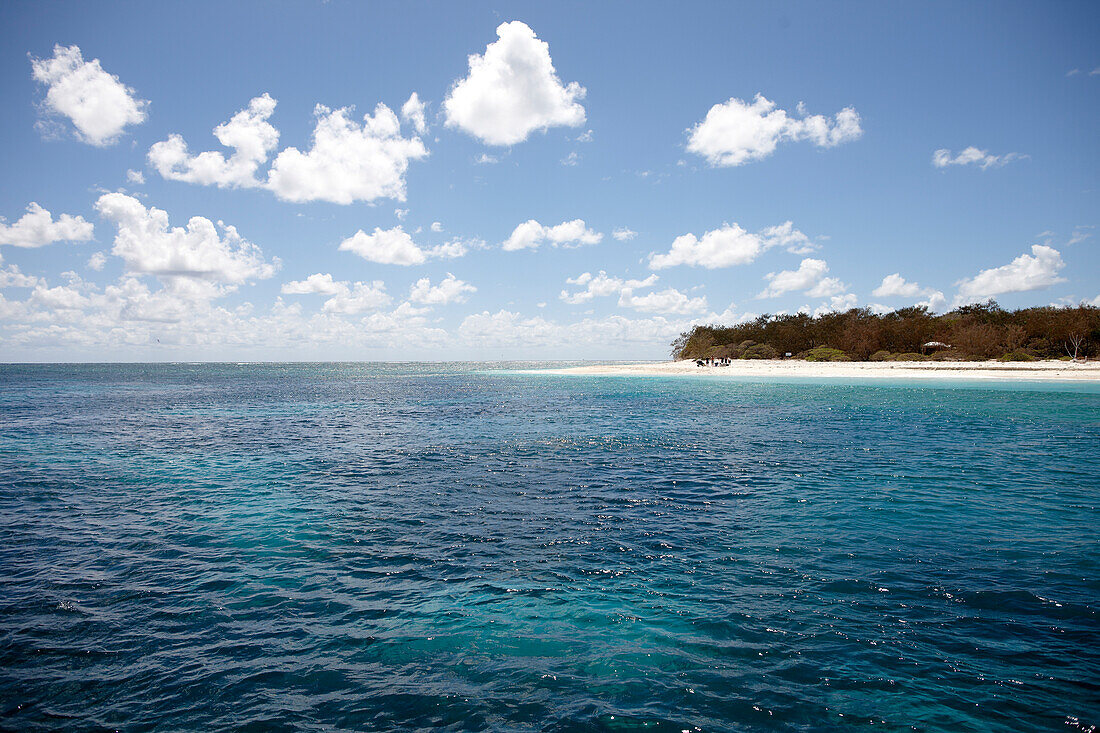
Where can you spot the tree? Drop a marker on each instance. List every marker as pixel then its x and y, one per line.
pixel 1075 342
pixel 679 343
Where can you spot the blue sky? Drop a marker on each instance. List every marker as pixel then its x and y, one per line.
pixel 826 192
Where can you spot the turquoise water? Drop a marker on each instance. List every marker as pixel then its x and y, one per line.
pixel 364 547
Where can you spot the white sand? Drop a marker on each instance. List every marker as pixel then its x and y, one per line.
pixel 993 370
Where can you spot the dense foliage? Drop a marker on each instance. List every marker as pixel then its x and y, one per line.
pixel 982 331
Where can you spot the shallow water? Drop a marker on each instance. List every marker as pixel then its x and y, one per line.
pixel 365 546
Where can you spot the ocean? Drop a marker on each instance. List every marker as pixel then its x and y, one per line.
pixel 468 547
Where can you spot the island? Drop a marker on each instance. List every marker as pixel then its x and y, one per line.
pixel 977 332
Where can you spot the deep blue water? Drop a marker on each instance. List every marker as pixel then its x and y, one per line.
pixel 365 547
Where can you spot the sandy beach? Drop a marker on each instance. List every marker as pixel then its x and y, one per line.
pixel 990 370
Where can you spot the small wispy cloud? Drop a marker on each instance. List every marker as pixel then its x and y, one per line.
pixel 1080 234
pixel 943 158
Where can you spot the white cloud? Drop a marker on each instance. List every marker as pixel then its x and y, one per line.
pixel 358 297
pixel 402 324
pixel 827 287
pixel 180 302
pixel 729 316
pixel 449 290
pixel 97 261
pixel 973 156
pixel 624 234
pixel 786 236
pixel 455 248
pixel 346 297
pixel 248 132
pixel 320 283
pixel 401 213
pixel 896 286
pixel 512 90
pixel 809 277
pixel 837 304
pixel 130 319
pixel 507 328
pixel 728 246
pixel 669 300
pixel 396 247
pixel 585 137
pixel 147 244
pixel 37 228
pixel 571 160
pixel 385 246
pixel 62 297
pixel 1080 234
pixel 602 285
pixel 530 234
pixel 510 329
pixel 127 317
pixel 98 104
pixel 135 177
pixel 412 111
pixel 735 132
pixel 486 159
pixel 935 300
pixel 348 162
pixel 1027 272
pixel 436 226
pixel 12 277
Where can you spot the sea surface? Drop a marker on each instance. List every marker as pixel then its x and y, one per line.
pixel 467 547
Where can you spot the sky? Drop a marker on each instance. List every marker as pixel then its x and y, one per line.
pixel 434 181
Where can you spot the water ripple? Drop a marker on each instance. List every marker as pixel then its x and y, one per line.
pixel 349 547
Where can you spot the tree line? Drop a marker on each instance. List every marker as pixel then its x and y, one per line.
pixel 979 331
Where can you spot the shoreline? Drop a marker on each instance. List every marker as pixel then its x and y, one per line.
pixel 1053 371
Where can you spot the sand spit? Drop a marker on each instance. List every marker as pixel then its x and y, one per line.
pixel 991 370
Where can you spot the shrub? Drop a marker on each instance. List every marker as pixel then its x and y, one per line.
pixel 911 356
pixel 979 339
pixel 760 351
pixel 721 352
pixel 1041 346
pixel 947 355
pixel 1016 356
pixel 825 353
pixel 882 355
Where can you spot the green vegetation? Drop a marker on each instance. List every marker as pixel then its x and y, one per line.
pixel 825 353
pixel 972 332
